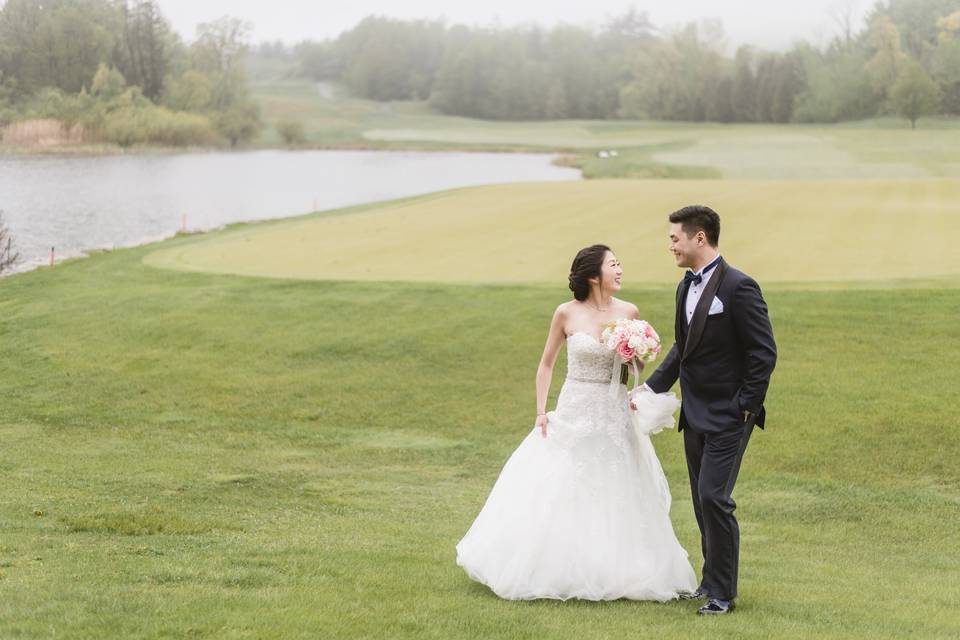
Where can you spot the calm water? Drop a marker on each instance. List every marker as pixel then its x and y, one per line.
pixel 81 204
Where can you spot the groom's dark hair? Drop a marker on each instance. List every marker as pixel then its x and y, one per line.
pixel 698 217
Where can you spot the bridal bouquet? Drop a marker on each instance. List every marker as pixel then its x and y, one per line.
pixel 636 340
pixel 632 339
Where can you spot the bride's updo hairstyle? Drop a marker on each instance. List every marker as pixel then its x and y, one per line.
pixel 588 264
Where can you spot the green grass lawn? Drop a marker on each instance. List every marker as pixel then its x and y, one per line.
pixel 216 456
pixel 190 451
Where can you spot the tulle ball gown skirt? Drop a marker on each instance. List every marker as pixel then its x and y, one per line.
pixel 583 513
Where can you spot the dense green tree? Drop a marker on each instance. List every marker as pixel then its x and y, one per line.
pixel 239 123
pixel 218 55
pixel 888 58
pixel 141 52
pixel 494 74
pixel 780 79
pixel 218 52
pixel 580 73
pixel 108 83
pixel 945 62
pixel 59 43
pixel 387 59
pixel 679 78
pixel 744 96
pixel 837 88
pixel 192 91
pixel 916 21
pixel 318 60
pixel 629 69
pixel 67 58
pixel 292 131
pixel 914 94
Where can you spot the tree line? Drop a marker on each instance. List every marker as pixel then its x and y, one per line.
pixel 115 71
pixel 904 60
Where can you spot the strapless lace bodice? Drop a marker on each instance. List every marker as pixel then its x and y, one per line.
pixel 587 359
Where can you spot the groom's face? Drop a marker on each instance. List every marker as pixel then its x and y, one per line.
pixel 684 248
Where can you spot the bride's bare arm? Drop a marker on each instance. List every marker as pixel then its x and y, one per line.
pixel 555 338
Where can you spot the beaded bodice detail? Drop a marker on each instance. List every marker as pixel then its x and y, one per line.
pixel 587 359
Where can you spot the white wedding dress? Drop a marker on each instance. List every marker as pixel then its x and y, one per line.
pixel 584 512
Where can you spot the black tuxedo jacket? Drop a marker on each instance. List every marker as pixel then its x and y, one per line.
pixel 724 361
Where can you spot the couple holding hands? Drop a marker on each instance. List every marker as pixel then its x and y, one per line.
pixel 581 508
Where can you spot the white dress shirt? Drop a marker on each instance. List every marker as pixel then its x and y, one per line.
pixel 696 290
pixel 693 297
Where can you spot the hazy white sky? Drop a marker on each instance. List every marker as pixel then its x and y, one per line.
pixel 770 24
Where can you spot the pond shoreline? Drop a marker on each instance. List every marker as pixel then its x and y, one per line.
pixel 77 204
pixel 373 145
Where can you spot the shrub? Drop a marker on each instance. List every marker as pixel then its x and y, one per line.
pixel 291 131
pixel 156 125
pixel 239 123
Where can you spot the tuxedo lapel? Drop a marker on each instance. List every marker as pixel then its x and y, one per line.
pixel 680 323
pixel 699 320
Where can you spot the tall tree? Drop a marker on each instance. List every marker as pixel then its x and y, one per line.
pixel 218 52
pixel 387 59
pixel 888 58
pixel 945 62
pixel 59 43
pixel 836 87
pixel 914 94
pixel 141 52
pixel 318 60
pixel 678 78
pixel 843 14
pixel 744 96
pixel 916 21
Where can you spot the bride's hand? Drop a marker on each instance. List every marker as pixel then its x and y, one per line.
pixel 542 423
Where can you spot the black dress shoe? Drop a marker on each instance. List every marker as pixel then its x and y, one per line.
pixel 715 607
pixel 699 594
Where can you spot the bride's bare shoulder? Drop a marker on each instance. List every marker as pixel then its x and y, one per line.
pixel 628 309
pixel 564 309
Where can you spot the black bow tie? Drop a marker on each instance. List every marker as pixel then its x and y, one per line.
pixel 697 278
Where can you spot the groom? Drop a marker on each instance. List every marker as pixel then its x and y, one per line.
pixel 723 355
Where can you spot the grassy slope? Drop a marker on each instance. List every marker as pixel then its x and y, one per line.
pixel 216 456
pixel 831 232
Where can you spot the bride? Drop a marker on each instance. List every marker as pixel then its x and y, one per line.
pixel 581 508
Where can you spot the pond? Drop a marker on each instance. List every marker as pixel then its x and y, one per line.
pixel 79 204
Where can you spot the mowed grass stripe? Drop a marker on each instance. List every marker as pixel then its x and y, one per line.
pixel 827 233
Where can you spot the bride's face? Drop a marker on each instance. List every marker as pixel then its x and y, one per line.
pixel 610 272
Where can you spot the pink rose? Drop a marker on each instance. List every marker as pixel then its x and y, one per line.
pixel 625 351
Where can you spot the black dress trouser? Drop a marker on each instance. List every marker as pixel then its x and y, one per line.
pixel 713 462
